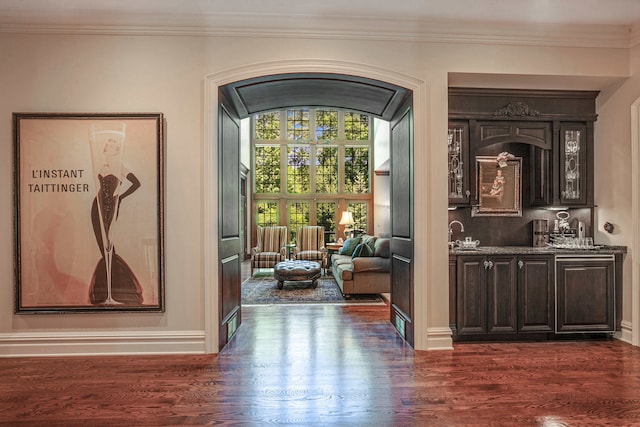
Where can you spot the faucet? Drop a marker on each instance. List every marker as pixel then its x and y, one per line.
pixel 451 243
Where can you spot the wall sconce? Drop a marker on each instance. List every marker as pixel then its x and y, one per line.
pixel 347 221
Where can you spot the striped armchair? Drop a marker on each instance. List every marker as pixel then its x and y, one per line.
pixel 310 244
pixel 271 247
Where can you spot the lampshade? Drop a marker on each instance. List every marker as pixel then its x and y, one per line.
pixel 347 218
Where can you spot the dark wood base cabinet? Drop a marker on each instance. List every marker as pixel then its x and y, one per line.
pixel 586 294
pixel 504 295
pixel 514 297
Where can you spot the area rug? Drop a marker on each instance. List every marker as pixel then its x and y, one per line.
pixel 262 288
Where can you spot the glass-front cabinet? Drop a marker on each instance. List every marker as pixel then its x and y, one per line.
pixel 573 164
pixel 458 154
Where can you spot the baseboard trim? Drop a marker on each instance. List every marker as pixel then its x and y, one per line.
pixel 439 339
pixel 626 332
pixel 101 343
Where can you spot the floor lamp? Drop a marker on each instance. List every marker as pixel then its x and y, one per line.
pixel 347 221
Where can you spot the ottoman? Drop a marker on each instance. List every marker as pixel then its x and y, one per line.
pixel 297 271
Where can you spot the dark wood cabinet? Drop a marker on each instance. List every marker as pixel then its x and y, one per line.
pixel 556 126
pixel 536 296
pixel 486 295
pixel 540 178
pixel 471 301
pixel 501 294
pixel 504 294
pixel 586 290
pixel 575 168
pixel 458 163
pixel 525 132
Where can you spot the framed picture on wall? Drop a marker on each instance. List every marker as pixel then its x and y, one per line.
pixel 499 184
pixel 88 212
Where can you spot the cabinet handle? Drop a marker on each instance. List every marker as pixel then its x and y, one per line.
pixel 468 193
pixel 490 265
pixel 520 264
pixel 486 264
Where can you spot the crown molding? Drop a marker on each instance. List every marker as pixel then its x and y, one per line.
pixel 330 27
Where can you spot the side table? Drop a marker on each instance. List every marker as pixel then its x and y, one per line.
pixel 332 248
pixel 290 247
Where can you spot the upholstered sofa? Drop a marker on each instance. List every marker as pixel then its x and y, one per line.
pixel 363 270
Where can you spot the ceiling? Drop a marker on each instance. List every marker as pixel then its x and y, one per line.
pixel 196 12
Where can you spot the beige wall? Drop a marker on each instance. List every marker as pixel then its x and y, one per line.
pixel 91 73
pixel 613 171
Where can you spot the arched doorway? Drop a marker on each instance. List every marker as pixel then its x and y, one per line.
pixel 412 316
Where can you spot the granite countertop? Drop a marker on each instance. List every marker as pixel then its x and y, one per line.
pixel 528 250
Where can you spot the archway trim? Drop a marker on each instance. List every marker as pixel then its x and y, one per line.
pixel 421 180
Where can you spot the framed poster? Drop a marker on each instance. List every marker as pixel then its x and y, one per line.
pixel 499 184
pixel 89 201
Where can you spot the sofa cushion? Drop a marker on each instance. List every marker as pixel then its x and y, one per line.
pixel 373 264
pixel 344 270
pixel 349 246
pixel 369 241
pixel 362 250
pixel 340 259
pixel 382 248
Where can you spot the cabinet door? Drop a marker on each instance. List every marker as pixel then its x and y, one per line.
pixel 453 263
pixel 458 163
pixel 585 295
pixel 540 176
pixel 574 155
pixel 536 299
pixel 471 295
pixel 501 295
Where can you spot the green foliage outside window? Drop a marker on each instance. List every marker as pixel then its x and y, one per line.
pixel 359 211
pixel 327 170
pixel 267 172
pixel 267 213
pixel 326 125
pixel 356 126
pixel 298 125
pixel 356 170
pixel 326 216
pixel 267 126
pixel 298 217
pixel 298 173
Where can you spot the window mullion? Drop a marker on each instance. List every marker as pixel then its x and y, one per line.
pixel 312 154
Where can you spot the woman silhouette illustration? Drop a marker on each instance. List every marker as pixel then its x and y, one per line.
pixel 113 282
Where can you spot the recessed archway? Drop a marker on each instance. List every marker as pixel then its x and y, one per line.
pixel 212 85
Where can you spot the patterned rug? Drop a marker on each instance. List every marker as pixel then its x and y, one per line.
pixel 262 288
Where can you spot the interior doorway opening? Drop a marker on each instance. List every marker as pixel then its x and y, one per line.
pixel 221 90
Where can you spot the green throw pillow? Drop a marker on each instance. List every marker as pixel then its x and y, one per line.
pixel 362 250
pixel 349 246
pixel 370 241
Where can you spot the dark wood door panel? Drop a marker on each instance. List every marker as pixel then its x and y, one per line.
pixel 229 241
pixel 472 296
pixel 501 295
pixel 402 280
pixel 536 307
pixel 586 296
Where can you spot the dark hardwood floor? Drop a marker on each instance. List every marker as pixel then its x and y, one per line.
pixel 330 365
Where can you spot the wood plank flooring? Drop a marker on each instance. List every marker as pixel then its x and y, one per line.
pixel 330 365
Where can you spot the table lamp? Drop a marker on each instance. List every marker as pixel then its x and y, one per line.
pixel 347 221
